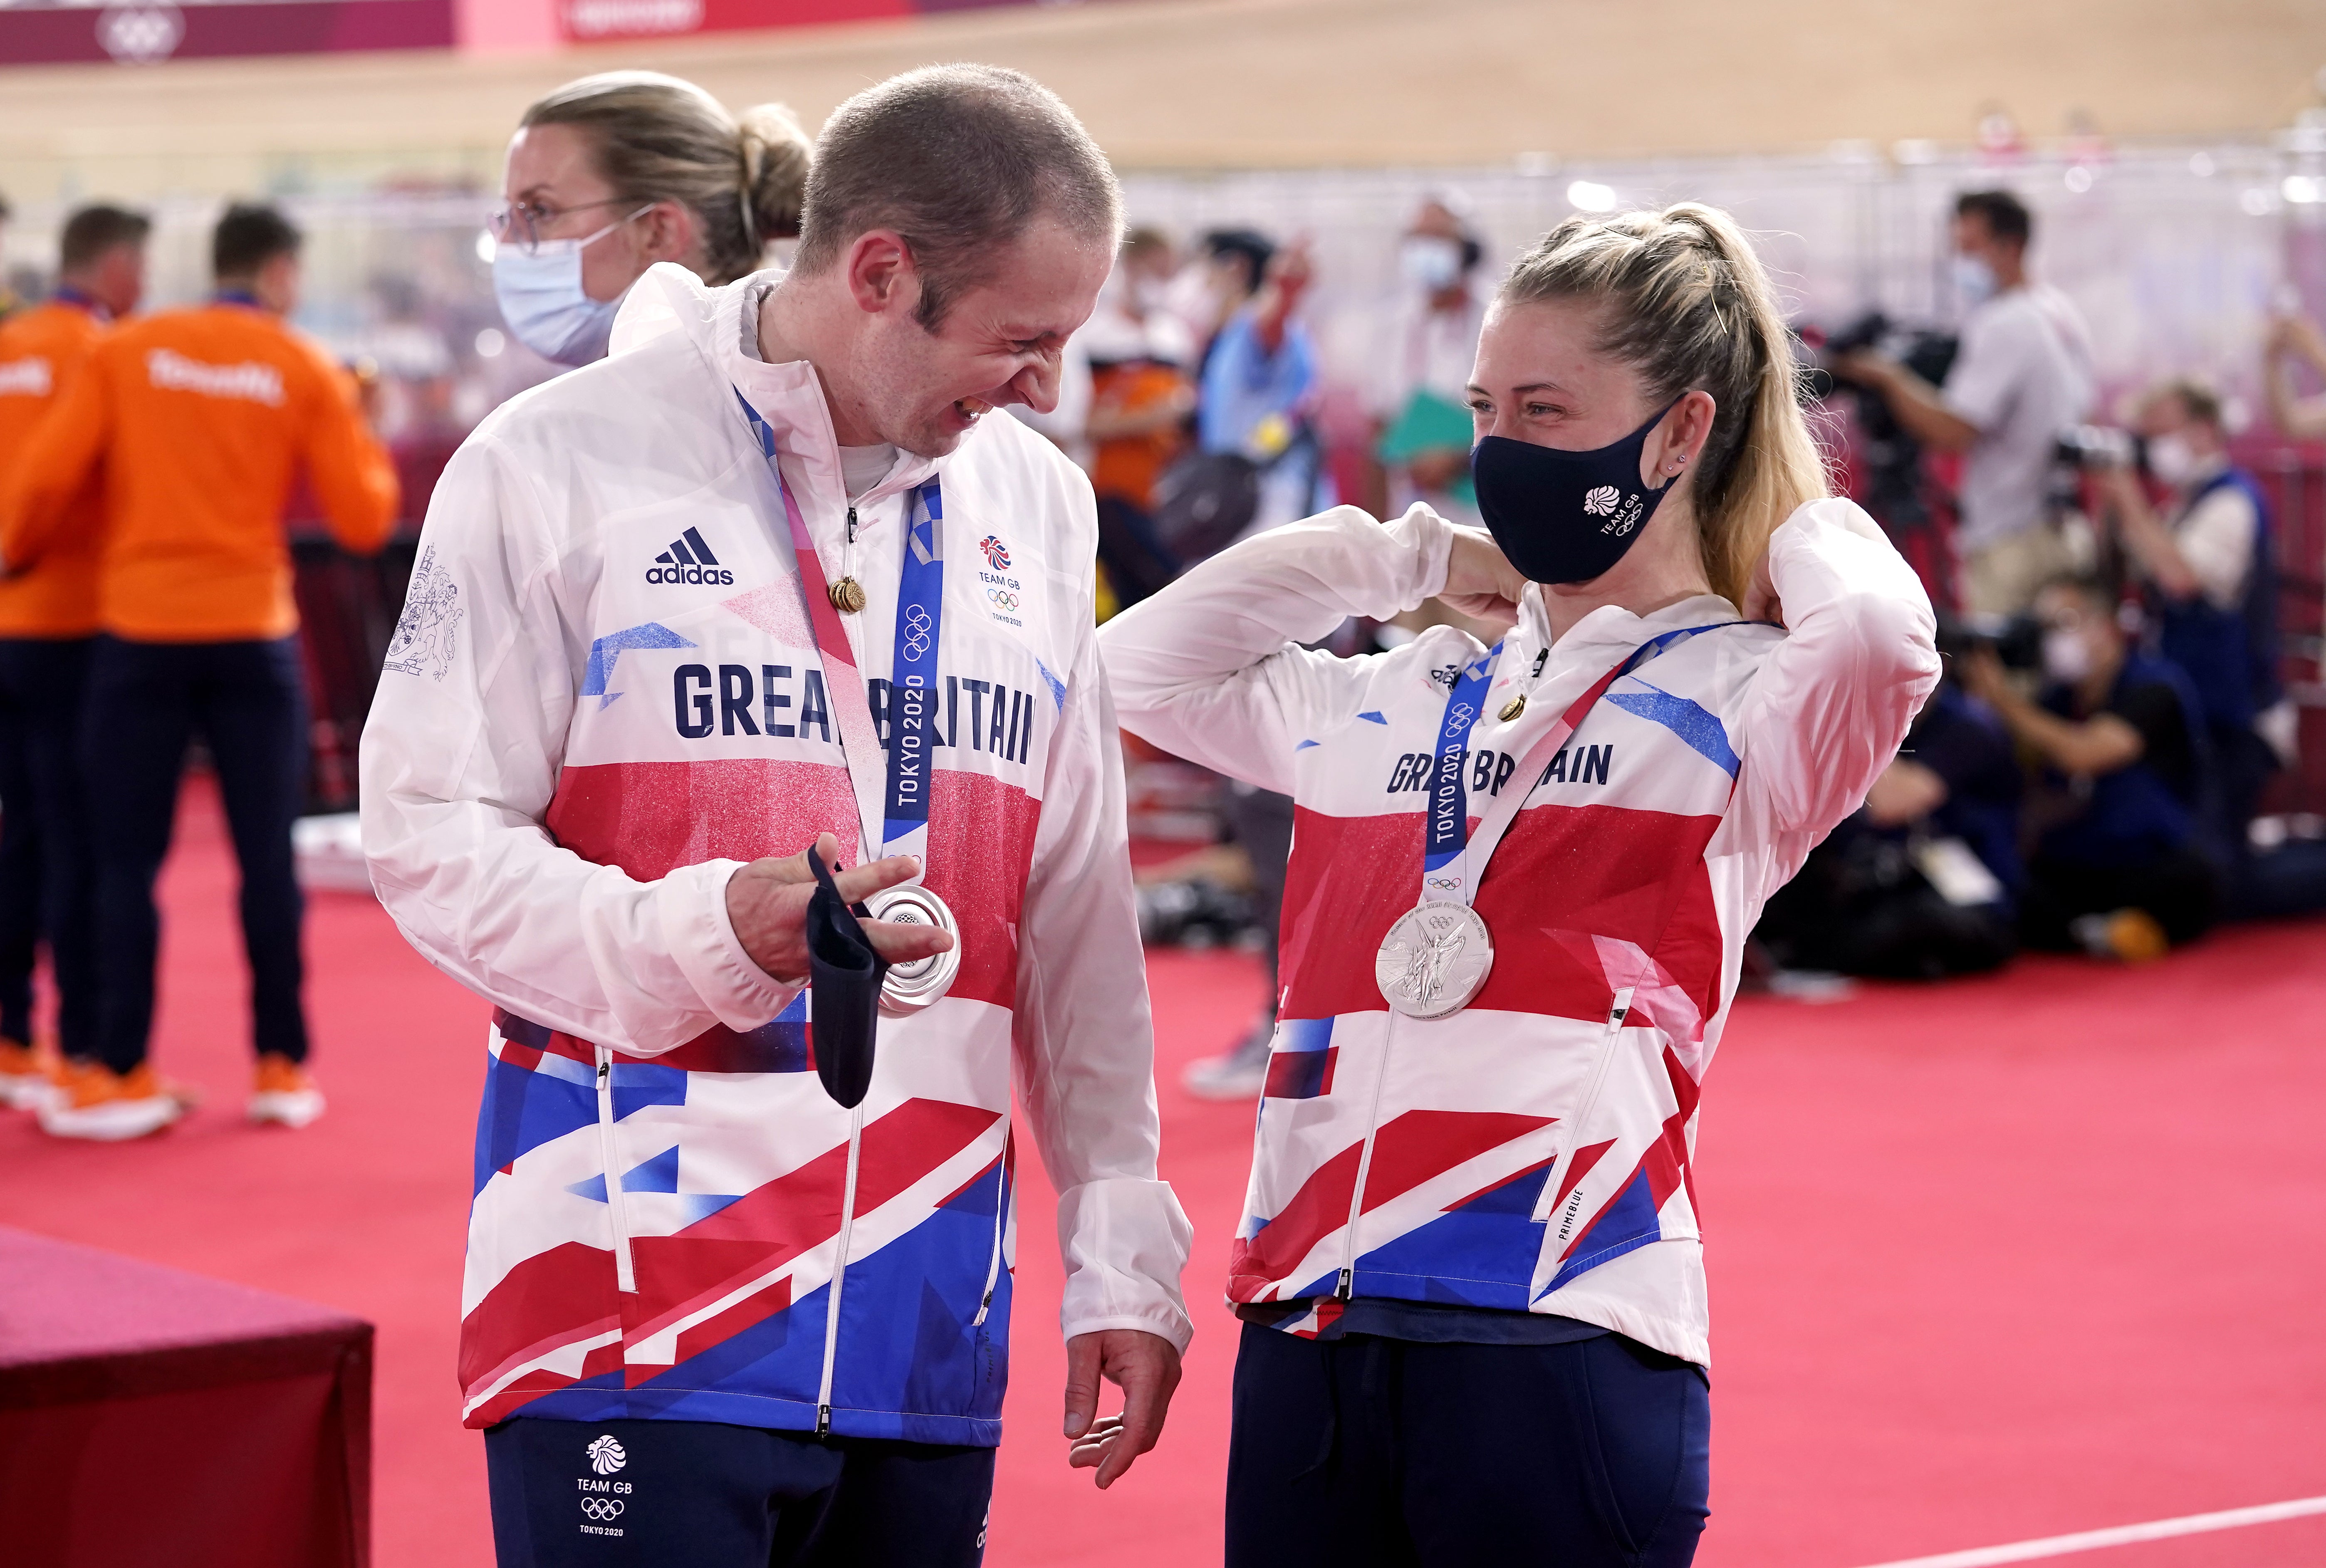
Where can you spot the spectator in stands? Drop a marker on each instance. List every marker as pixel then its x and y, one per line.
pixel 1421 399
pixel 1142 358
pixel 2123 873
pixel 1258 375
pixel 2293 338
pixel 612 173
pixel 1922 881
pixel 2210 563
pixel 1259 379
pixel 48 621
pixel 2023 375
pixel 198 419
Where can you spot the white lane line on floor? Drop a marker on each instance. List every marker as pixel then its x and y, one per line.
pixel 2120 1536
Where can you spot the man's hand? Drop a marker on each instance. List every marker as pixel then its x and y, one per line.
pixel 766 904
pixel 1148 1369
pixel 1481 583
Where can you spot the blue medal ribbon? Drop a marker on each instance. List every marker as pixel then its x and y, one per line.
pixel 912 681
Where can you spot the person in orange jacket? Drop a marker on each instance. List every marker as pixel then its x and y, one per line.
pixel 199 418
pixel 47 624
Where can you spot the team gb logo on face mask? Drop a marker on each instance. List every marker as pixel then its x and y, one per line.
pixel 606 1455
pixel 996 554
pixel 1601 501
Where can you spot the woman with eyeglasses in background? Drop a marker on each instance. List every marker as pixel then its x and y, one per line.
pixel 612 173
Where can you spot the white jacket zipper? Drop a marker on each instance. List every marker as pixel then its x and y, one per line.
pixel 1000 1218
pixel 625 1275
pixel 839 1272
pixel 1348 1279
pixel 1617 1013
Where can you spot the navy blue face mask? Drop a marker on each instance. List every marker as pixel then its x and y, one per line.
pixel 1565 516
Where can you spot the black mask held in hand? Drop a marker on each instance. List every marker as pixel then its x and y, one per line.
pixel 844 975
pixel 1565 516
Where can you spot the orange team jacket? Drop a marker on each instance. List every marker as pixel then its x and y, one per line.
pixel 201 418
pixel 40 349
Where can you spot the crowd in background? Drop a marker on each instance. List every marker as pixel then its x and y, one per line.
pixel 2091 776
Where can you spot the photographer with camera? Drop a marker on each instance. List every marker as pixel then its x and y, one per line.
pixel 2212 586
pixel 2022 376
pixel 2120 870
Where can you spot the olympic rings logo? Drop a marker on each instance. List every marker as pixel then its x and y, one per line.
pixel 1461 716
pixel 918 626
pixel 605 1511
pixel 1446 881
pixel 1003 599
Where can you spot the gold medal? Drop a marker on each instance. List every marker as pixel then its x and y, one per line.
pixel 1514 707
pixel 848 596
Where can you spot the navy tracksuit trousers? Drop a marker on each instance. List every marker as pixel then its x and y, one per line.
pixel 657 1494
pixel 46 878
pixel 249 699
pixel 1368 1453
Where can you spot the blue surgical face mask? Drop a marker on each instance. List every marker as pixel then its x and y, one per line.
pixel 541 299
pixel 1566 516
pixel 1974 279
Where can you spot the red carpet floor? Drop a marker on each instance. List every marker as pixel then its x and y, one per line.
pixel 2006 1259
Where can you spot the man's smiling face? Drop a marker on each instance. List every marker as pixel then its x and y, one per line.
pixel 999 342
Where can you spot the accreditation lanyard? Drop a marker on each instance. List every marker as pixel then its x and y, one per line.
pixel 904 794
pixel 1454 857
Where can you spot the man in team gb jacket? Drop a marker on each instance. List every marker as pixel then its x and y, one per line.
pixel 711 1316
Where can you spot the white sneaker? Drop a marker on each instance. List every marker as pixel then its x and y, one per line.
pixel 1241 1073
pixel 107 1107
pixel 286 1095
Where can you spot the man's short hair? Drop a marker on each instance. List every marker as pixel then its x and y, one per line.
pixel 2006 216
pixel 248 237
pixel 960 160
pixel 2199 402
pixel 2087 590
pixel 92 231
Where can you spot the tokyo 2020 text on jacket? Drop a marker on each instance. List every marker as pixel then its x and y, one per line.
pixel 604 697
pixel 1531 1152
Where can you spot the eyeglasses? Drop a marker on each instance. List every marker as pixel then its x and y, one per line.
pixel 520 223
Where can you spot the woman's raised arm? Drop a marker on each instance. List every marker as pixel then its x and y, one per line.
pixel 1211 668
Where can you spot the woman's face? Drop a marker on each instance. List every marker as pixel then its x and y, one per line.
pixel 551 176
pixel 1540 379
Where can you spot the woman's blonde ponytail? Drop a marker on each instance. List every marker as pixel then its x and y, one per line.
pixel 1688 305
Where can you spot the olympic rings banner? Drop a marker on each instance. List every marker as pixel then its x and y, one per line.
pixel 51 32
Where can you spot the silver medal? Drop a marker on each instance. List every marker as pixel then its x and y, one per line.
pixel 910 987
pixel 1434 959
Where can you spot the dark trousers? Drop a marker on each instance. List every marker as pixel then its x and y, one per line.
pixel 2179 889
pixel 248 701
pixel 1365 1452
pixel 47 881
pixel 650 1494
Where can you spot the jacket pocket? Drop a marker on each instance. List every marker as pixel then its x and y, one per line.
pixel 1571 1138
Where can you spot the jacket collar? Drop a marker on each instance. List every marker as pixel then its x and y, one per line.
pixel 723 324
pixel 1611 631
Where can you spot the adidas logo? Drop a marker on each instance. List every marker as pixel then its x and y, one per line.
pixel 689 560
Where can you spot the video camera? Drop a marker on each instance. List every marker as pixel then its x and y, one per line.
pixel 2100 446
pixel 2016 640
pixel 1891 459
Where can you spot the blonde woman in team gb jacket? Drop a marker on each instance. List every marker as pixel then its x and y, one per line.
pixel 1522 878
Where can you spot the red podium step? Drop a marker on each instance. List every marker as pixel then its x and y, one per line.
pixel 149 1415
